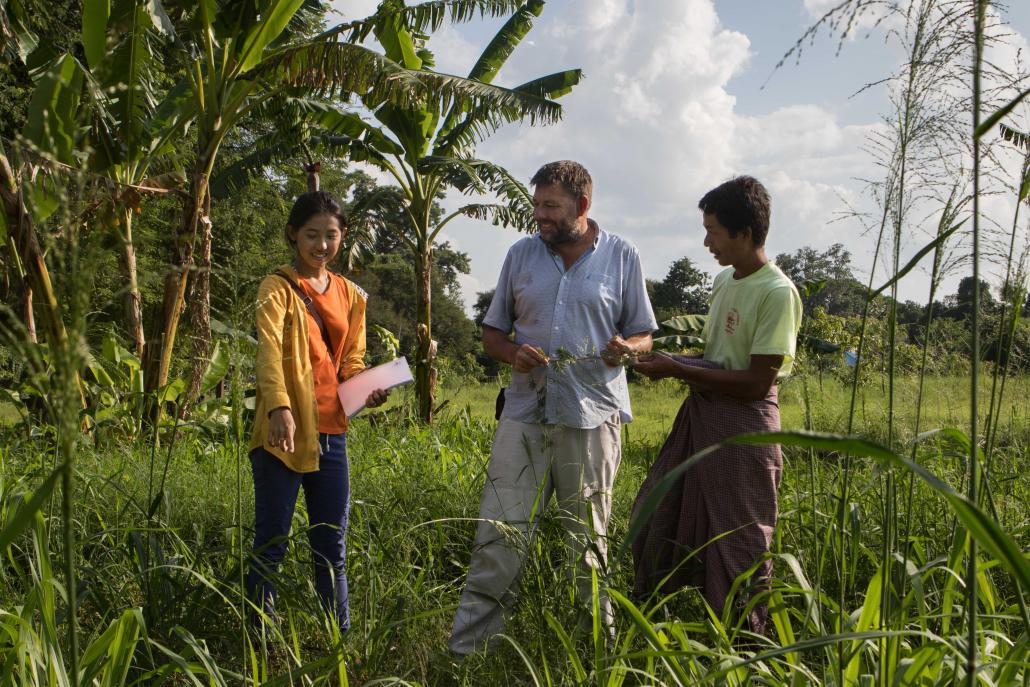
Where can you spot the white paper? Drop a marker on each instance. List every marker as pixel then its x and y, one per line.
pixel 354 392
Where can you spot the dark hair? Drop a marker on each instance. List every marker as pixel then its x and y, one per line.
pixel 740 203
pixel 310 204
pixel 572 176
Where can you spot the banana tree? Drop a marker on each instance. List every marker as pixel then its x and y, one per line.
pixel 122 42
pixel 18 232
pixel 430 148
pixel 242 56
pixel 96 118
pixel 29 194
pixel 238 55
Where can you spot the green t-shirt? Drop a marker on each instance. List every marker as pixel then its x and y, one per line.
pixel 757 315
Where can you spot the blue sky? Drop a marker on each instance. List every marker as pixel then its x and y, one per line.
pixel 681 95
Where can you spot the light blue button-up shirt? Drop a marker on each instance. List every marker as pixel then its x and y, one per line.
pixel 576 311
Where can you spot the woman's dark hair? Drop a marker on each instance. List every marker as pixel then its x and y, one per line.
pixel 739 204
pixel 311 204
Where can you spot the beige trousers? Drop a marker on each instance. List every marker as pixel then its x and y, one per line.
pixel 528 463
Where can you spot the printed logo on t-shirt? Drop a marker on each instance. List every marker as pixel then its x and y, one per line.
pixel 732 320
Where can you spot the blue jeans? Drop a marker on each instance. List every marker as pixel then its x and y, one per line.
pixel 327 494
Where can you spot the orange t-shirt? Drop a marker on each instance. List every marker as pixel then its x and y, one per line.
pixel 334 307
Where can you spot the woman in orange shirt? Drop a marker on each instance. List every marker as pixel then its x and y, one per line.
pixel 311 336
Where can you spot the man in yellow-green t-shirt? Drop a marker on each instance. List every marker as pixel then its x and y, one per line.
pixel 755 315
pixel 717 521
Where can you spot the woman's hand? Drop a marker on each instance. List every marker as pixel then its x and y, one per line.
pixel 377 398
pixel 281 429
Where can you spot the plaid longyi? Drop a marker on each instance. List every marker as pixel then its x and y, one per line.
pixel 731 492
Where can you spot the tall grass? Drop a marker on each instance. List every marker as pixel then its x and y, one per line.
pixel 416 498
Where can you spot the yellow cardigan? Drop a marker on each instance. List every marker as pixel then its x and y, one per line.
pixel 283 366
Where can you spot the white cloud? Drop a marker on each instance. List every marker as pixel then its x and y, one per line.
pixel 655 124
pixel 354 9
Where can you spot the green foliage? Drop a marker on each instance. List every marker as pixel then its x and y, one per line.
pixel 841 294
pixel 389 342
pixel 685 289
pixel 51 124
pixel 31 32
pixel 389 280
pixel 681 332
pixel 114 396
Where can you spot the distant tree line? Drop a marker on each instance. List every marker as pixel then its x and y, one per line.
pixel 834 300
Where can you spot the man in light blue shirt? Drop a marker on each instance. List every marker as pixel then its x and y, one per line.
pixel 573 297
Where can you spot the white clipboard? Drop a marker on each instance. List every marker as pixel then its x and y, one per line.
pixel 354 392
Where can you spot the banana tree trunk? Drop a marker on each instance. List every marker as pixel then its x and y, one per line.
pixel 28 317
pixel 200 311
pixel 313 169
pixel 425 372
pixel 133 302
pixel 161 346
pixel 29 253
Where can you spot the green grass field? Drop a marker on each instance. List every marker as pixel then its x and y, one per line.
pixel 945 404
pixel 415 500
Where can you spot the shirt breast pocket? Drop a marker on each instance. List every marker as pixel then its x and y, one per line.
pixel 598 290
pixel 522 287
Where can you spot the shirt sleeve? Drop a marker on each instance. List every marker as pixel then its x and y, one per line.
pixel 272 303
pixel 353 358
pixel 637 316
pixel 501 313
pixel 779 319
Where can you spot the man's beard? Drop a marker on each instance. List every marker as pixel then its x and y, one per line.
pixel 565 231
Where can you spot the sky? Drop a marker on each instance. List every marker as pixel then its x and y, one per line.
pixel 681 95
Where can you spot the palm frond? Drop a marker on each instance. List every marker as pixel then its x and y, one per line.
pixel 343 68
pixel 336 122
pixel 508 104
pixel 505 41
pixel 489 64
pixel 499 215
pixel 17 40
pixel 367 217
pixel 482 177
pixel 1016 137
pixel 472 175
pixel 330 134
pixel 293 109
pixel 479 123
pixel 171 119
pixel 460 140
pixel 553 85
pixel 429 16
pixel 267 150
pixel 53 109
pixel 130 73
pixel 100 128
pixel 299 124
pixel 357 150
pixel 336 68
pixel 424 17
